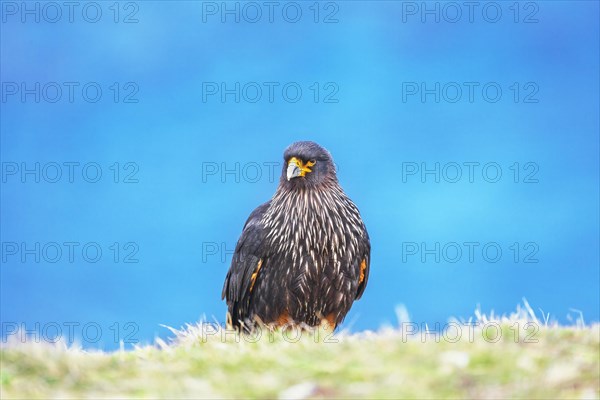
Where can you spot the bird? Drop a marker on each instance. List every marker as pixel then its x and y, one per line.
pixel 303 257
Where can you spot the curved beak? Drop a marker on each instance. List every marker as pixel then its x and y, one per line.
pixel 293 171
pixel 297 168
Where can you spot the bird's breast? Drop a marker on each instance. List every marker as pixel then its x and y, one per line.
pixel 312 227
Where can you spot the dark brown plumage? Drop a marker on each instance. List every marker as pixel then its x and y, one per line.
pixel 303 257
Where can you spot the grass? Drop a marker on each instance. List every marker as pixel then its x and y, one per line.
pixel 515 356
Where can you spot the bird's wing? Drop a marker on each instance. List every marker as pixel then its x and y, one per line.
pixel 364 263
pixel 247 260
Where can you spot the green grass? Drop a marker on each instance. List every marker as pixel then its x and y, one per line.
pixel 552 362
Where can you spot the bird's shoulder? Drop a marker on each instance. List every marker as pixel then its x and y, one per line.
pixel 253 235
pixel 256 215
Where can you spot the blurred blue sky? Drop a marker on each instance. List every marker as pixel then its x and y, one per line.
pixel 177 134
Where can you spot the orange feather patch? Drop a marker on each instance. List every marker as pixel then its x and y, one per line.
pixel 363 267
pixel 255 275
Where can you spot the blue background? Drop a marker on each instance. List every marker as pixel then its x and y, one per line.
pixel 177 214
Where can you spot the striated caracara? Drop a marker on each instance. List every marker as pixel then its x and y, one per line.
pixel 303 256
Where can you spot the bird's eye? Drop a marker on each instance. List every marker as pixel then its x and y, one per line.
pixel 313 161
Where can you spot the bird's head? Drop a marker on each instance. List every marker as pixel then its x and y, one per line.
pixel 306 164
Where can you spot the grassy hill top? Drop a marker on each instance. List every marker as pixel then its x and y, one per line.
pixel 516 356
